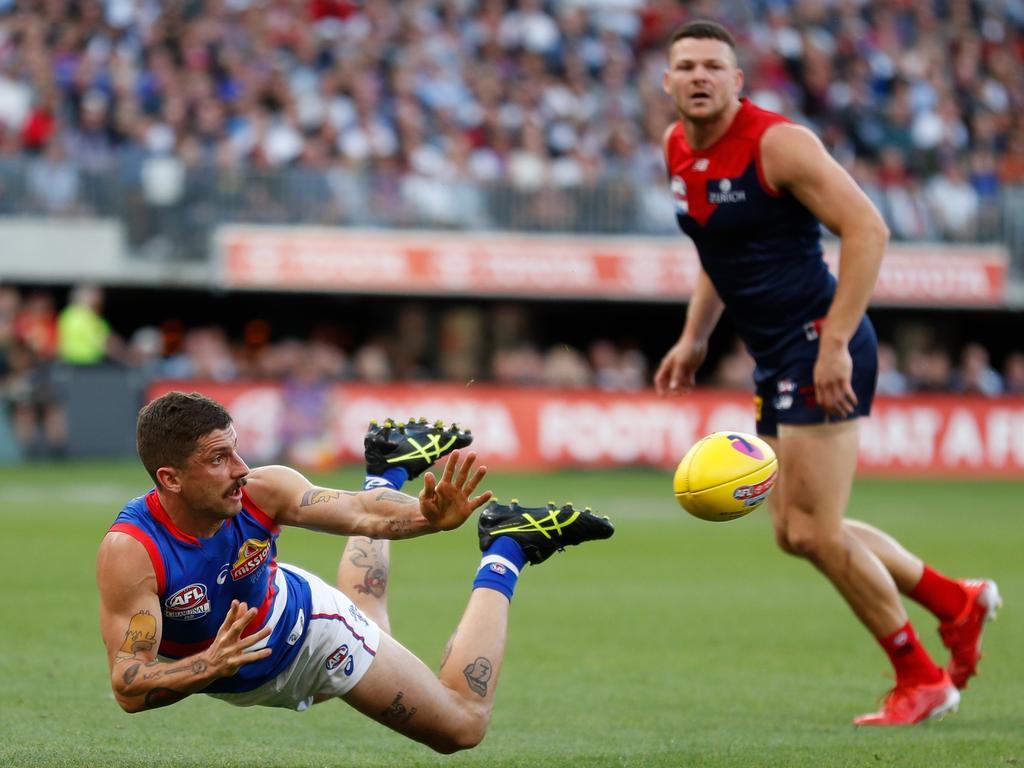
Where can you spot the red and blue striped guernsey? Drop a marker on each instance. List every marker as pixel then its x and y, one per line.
pixel 198 578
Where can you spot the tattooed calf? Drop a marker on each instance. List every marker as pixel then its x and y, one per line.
pixel 477 675
pixel 369 554
pixel 398 711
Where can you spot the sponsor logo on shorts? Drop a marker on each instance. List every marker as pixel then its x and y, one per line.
pixel 751 495
pixel 296 633
pixel 783 402
pixel 357 615
pixel 724 192
pixel 338 657
pixel 251 556
pixel 188 603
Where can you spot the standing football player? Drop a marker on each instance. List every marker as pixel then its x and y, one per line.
pixel 751 188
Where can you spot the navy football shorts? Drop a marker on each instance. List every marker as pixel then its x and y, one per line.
pixel 784 385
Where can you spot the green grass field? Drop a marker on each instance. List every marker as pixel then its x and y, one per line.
pixel 677 643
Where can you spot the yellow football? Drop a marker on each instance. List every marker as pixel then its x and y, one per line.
pixel 725 475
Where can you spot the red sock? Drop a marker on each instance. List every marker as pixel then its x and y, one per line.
pixel 941 595
pixel 911 661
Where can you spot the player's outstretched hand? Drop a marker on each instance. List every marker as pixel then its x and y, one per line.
pixel 678 369
pixel 446 503
pixel 228 652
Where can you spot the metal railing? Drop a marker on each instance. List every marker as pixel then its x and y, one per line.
pixel 170 211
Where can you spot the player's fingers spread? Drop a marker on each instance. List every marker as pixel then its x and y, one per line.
pixel 242 622
pixel 450 465
pixel 474 481
pixel 480 500
pixel 429 483
pixel 465 469
pixel 248 657
pixel 255 637
pixel 229 617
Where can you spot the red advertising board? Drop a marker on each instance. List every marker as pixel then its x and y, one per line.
pixel 552 266
pixel 543 429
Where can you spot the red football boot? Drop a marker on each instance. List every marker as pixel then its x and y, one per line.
pixel 909 704
pixel 962 636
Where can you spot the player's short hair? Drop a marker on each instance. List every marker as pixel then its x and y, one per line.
pixel 702 29
pixel 169 428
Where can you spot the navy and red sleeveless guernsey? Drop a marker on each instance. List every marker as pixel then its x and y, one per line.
pixel 198 578
pixel 760 248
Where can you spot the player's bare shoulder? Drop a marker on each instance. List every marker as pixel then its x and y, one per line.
pixel 789 153
pixel 123 564
pixel 276 489
pixel 666 137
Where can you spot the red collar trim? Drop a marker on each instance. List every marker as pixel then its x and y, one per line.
pixel 160 515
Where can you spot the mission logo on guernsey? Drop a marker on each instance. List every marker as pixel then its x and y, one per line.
pixel 251 556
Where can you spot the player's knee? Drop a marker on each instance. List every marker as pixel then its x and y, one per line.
pixel 467 733
pixel 786 539
pixel 783 543
pixel 809 542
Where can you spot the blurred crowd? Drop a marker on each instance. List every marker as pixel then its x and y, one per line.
pixel 482 114
pixel 40 343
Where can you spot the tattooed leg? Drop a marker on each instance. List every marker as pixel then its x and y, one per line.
pixel 450 713
pixel 363 575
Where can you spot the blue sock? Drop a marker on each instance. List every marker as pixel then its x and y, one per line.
pixel 500 566
pixel 393 478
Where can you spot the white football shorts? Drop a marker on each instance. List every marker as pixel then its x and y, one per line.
pixel 340 644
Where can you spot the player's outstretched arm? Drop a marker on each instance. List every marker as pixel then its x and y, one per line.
pixel 131 625
pixel 678 369
pixel 380 513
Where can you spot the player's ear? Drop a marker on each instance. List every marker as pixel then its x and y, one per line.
pixel 739 80
pixel 169 478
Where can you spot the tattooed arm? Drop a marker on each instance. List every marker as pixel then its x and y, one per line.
pixel 131 625
pixel 381 513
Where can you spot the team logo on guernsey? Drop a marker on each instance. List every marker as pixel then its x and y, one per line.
pixel 251 556
pixel 721 191
pixel 678 187
pixel 188 603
